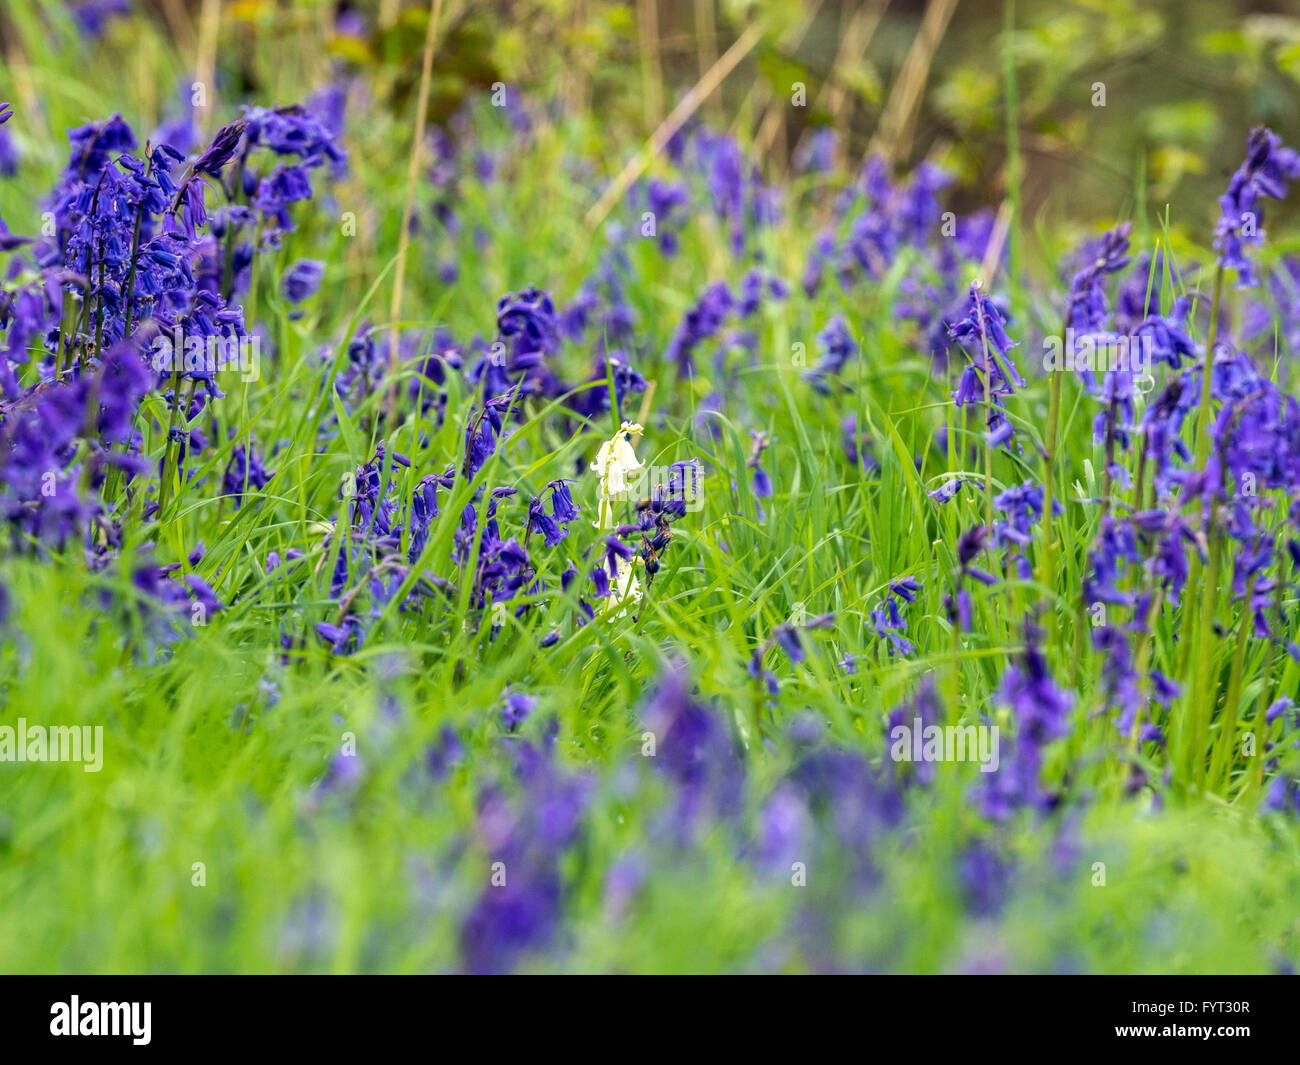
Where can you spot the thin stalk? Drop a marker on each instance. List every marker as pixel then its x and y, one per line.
pixel 1142 659
pixel 1202 451
pixel 228 261
pixel 953 710
pixel 1202 695
pixel 1014 169
pixel 1222 761
pixel 164 487
pixel 63 330
pixel 91 299
pixel 408 205
pixel 664 132
pixel 99 307
pixel 1265 691
pixel 988 405
pixel 988 483
pixel 1203 413
pixel 1139 491
pixel 1045 572
pixel 1080 627
pixel 129 291
pixel 652 82
pixel 1106 481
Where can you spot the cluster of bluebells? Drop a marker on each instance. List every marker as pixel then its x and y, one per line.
pixel 394 507
pixel 553 527
pixel 1142 556
pixel 385 536
pixel 837 349
pixel 655 516
pixel 830 815
pixel 760 483
pixel 1267 168
pixel 703 321
pixel 1022 506
pixel 787 637
pixel 1146 552
pixel 887 620
pixel 735 191
pixel 990 375
pixel 875 222
pixel 891 218
pixel 154 241
pixel 1040 710
pixel 957 604
pixel 1115 352
pixel 665 204
pixel 1283 795
pixel 131 290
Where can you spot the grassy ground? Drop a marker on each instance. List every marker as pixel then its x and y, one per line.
pixel 233 829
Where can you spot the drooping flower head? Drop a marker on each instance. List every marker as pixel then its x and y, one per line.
pixel 990 374
pixel 1040 712
pixel 612 466
pixel 1267 168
